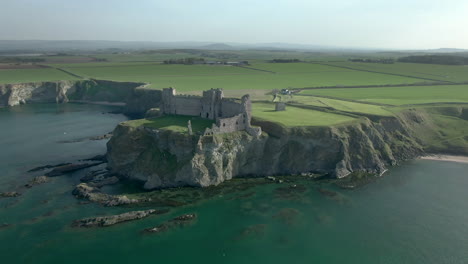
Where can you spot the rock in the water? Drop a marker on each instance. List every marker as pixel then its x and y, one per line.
pixel 97 158
pixel 105 136
pixel 94 194
pixel 103 221
pixel 70 168
pixel 94 175
pixel 9 194
pixel 48 167
pixel 105 181
pixel 4 225
pixel 178 221
pixel 185 217
pixel 36 181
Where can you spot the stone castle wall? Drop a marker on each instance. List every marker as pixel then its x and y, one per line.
pixel 230 114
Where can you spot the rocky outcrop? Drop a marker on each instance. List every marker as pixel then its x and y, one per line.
pixel 180 221
pixel 43 92
pixel 37 181
pixel 164 158
pixel 9 194
pixel 94 194
pixel 57 171
pixel 135 96
pixel 103 221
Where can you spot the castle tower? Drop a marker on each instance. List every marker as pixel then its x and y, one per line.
pixel 168 102
pixel 211 103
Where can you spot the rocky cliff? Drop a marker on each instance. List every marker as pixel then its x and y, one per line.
pixel 137 98
pixel 43 92
pixel 164 158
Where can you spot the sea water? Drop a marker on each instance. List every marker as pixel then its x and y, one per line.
pixel 416 213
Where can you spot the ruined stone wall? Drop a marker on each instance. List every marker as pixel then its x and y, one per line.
pixel 190 106
pixel 232 124
pixel 230 108
pixel 180 104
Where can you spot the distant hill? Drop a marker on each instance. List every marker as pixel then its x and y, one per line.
pixel 40 46
pixel 218 46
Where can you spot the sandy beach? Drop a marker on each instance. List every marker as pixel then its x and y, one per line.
pixel 461 159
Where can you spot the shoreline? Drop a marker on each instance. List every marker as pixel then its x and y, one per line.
pixel 98 102
pixel 451 158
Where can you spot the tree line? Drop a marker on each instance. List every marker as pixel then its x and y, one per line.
pixel 436 59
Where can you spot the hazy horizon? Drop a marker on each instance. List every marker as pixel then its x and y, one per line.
pixel 362 24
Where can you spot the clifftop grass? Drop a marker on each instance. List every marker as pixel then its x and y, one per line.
pixel 176 123
pixel 297 117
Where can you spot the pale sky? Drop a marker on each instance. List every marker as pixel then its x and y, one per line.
pixel 396 24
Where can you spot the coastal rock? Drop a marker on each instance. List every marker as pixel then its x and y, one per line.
pixel 9 194
pixel 106 181
pixel 94 194
pixel 70 168
pixel 36 181
pixel 94 175
pixel 105 136
pixel 103 221
pixel 102 158
pixel 179 221
pixel 4 225
pixel 134 95
pixel 165 158
pixel 48 167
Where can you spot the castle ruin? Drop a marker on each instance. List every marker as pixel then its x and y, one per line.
pixel 230 114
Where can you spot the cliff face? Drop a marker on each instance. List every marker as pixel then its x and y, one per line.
pixel 161 158
pixel 138 100
pixel 43 92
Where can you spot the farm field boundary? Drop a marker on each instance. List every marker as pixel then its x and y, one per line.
pixel 387 73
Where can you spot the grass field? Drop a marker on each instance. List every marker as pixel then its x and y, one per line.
pixel 262 77
pixel 294 116
pixel 174 123
pixel 341 105
pixel 33 75
pixel 399 95
pixel 449 73
pixel 202 77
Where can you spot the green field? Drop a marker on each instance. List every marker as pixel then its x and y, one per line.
pixel 33 75
pixel 174 123
pixel 341 105
pixel 399 95
pixel 296 117
pixel 449 73
pixel 332 106
pixel 202 77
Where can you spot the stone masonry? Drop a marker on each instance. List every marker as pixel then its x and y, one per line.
pixel 229 114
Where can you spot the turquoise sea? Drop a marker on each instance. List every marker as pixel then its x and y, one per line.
pixel 416 213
